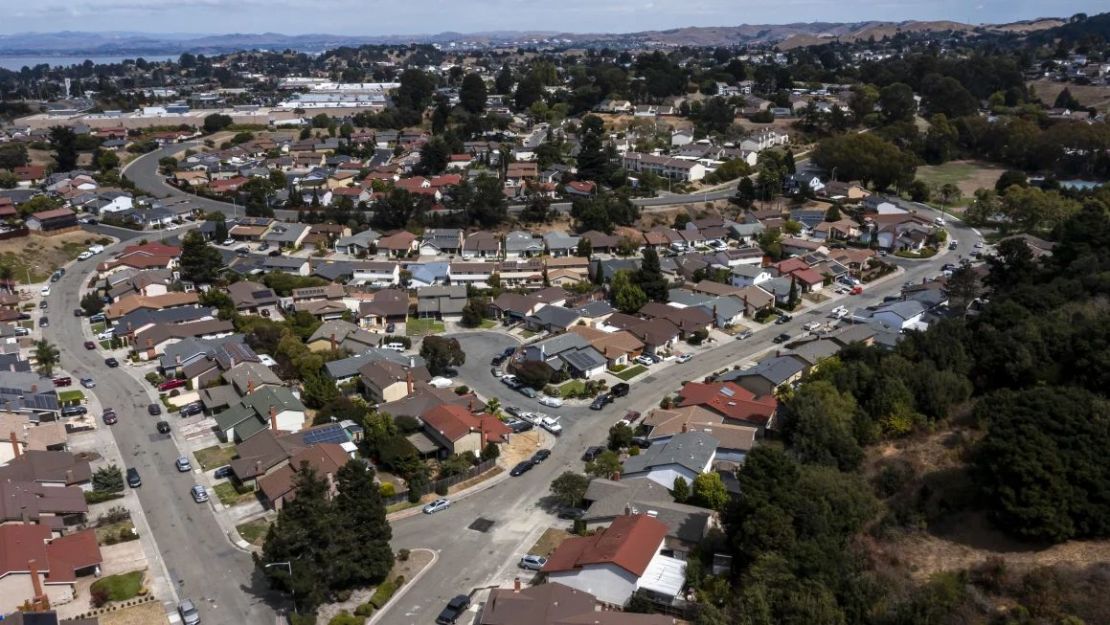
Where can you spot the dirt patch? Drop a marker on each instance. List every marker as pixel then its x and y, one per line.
pixel 968 176
pixel 1088 95
pixel 42 255
pixel 521 447
pixel 151 613
pixel 552 537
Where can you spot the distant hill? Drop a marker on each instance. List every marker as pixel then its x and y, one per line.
pixel 784 35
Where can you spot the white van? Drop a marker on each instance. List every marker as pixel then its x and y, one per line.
pixel 397 347
pixel 96 249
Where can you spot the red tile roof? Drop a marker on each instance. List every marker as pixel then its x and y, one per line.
pixel 59 559
pixel 630 542
pixel 808 276
pixel 729 399
pixel 454 422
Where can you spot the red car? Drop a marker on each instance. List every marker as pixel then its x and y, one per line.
pixel 90 345
pixel 63 381
pixel 169 385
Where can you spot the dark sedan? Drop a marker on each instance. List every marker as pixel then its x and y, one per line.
pixel 111 362
pixel 522 468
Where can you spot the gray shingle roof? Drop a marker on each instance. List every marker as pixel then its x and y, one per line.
pixel 692 450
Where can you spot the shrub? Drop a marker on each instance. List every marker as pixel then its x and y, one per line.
pixel 403 555
pixel 462 390
pixel 383 593
pixel 634 451
pixel 441 490
pixel 302 618
pixel 99 597
pixel 387 489
pixel 346 618
pixel 364 610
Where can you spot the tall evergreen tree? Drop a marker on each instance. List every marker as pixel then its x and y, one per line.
pixel 472 94
pixel 650 277
pixel 200 262
pixel 362 532
pixel 302 536
pixel 593 163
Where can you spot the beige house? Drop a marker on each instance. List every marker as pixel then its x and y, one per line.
pixel 385 381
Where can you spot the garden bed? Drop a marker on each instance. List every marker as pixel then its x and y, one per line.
pixel 630 372
pixel 119 587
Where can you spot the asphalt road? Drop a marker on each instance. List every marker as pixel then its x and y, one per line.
pixel 201 562
pixel 470 559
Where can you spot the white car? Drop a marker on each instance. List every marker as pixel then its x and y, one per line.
pixel 106 335
pixel 553 402
pixel 551 424
pixel 440 382
pixel 45 290
pixel 437 505
pixel 839 312
pixel 228 242
pixel 84 255
pixel 811 326
pixel 644 360
pixel 939 221
pixel 685 358
pixel 96 249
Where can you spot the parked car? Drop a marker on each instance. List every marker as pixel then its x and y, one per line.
pixel 782 338
pixel 188 611
pixel 228 242
pixel 553 402
pixel 43 305
pixel 645 360
pixel 21 331
pixel 223 472
pixel 684 358
pixel 541 455
pixel 519 425
pixel 455 608
pixel 619 390
pixel 746 334
pixel 437 505
pixel 528 391
pixel 110 417
pixel 630 417
pixel 391 327
pixel 513 410
pixel 171 384
pixel 521 468
pixel 163 427
pixel 63 380
pixel 200 495
pixel 78 312
pixel 783 319
pixel 532 563
pixel 508 351
pixel 551 424
pixel 154 410
pixel 601 401
pixel 495 372
pixel 44 291
pixel 508 380
pixel 84 255
pixel 571 514
pixel 44 322
pixel 592 453
pixel 183 465
pixel 133 479
pixel 189 410
pixel 74 411
pixel 97 318
pixel 812 325
pixel 88 382
pixel 263 247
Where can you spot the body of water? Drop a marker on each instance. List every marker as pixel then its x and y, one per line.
pixel 16 63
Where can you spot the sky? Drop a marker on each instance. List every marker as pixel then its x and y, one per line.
pixel 385 17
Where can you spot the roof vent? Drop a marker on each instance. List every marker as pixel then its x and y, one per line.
pixel 652 513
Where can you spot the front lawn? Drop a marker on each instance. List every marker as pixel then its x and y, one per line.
pixel 119 587
pixel 487 324
pixel 97 327
pixel 254 532
pixel 215 456
pixel 572 387
pixel 630 372
pixel 230 496
pixel 421 327
pixel 66 397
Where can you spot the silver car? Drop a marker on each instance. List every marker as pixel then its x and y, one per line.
pixel 437 505
pixel 200 495
pixel 188 612
pixel 183 464
pixel 532 563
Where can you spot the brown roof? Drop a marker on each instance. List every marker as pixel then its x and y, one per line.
pixel 687 319
pixel 155 302
pixel 729 399
pixel 159 333
pixel 714 288
pixel 666 423
pixel 611 344
pixel 34 500
pixel 385 373
pixel 556 604
pixel 454 422
pixel 60 558
pixel 47 466
pixel 386 303
pixel 402 240
pixel 654 331
pixel 325 459
pixel 630 542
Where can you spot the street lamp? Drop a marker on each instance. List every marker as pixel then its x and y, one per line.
pixel 292 591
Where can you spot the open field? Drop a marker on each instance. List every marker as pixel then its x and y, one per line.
pixel 1088 95
pixel 969 176
pixel 42 255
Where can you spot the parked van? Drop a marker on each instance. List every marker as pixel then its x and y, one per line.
pixel 96 249
pixel 397 347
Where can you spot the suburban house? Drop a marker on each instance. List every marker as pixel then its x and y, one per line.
pixel 606 500
pixel 385 380
pixel 383 308
pixel 902 315
pixel 48 468
pixel 56 507
pixel 664 166
pixel 19 434
pixel 358 244
pixel 35 564
pixel 685 455
pixel 520 244
pixel 52 221
pixel 767 376
pixel 439 241
pixel 569 352
pixel 26 391
pixel 270 407
pixel 376 273
pixel 279 485
pixel 481 244
pixel 616 562
pixel 252 297
pixel 732 401
pixel 441 302
pixel 618 348
pixel 658 335
pixel 553 319
pixel 457 430
pixel 556 604
pixel 398 244
pixel 340 334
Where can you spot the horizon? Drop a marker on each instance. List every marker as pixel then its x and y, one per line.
pixel 430 17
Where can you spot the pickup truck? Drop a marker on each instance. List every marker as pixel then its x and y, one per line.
pixel 455 608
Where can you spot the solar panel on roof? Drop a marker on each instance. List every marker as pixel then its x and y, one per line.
pixel 727 392
pixel 331 434
pixel 261 294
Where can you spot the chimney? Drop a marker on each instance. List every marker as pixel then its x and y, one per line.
pixel 617 476
pixel 745 304
pixel 177 359
pixel 40 597
pixel 34 388
pixel 273 418
pixel 69 477
pixel 333 345
pixel 469 406
pixel 250 385
pixel 257 467
pixel 627 510
pixel 15 445
pixel 408 379
pixel 684 427
pixel 516 584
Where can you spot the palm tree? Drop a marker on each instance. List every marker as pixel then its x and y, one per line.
pixel 46 355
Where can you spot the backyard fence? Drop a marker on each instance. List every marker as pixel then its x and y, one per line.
pixel 446 482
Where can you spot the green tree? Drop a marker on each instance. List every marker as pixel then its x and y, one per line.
pixel 585 249
pixel 593 161
pixel 200 262
pixel 606 465
pixel 474 312
pixel 434 156
pixel 680 490
pixel 302 536
pixel 216 122
pixel 818 422
pixel 620 436
pixel 92 303
pixel 627 296
pixel 708 491
pixel 441 354
pixel 46 357
pixel 64 143
pixel 503 83
pixel 472 94
pixel 108 479
pixel 833 214
pixel 12 155
pixel 650 277
pixel 534 373
pixel 361 538
pixel 897 102
pixel 570 488
pixel 745 193
pixel 415 91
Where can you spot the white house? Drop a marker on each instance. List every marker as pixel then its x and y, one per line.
pixel 377 273
pixel 907 315
pixel 748 275
pixel 616 562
